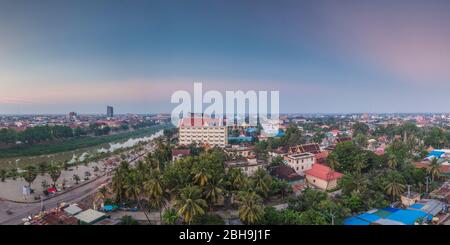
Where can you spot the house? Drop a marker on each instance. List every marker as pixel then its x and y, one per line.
pixel 239 151
pixel 322 177
pixel 249 165
pixel 179 153
pixel 300 162
pixel 280 151
pixel 90 217
pixel 343 139
pixel 388 216
pixel 321 157
pixel 409 198
pixel 423 211
pixel 443 193
pixel 284 172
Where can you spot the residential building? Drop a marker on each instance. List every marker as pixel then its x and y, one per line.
pixel 239 151
pixel 249 166
pixel 322 177
pixel 179 153
pixel 300 162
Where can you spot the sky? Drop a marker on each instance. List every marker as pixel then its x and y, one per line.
pixel 323 56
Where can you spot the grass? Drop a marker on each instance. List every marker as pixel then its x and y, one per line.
pixel 75 143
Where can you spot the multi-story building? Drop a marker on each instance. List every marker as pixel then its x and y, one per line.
pixel 248 165
pixel 300 162
pixel 110 111
pixel 203 131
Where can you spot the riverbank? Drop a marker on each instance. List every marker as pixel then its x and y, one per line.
pixel 74 143
pixel 11 189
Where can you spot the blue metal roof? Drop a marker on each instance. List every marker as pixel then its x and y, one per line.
pixel 436 154
pixel 417 206
pixel 355 221
pixel 408 217
pixel 369 217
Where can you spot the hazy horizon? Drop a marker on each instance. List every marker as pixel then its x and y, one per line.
pixel 323 56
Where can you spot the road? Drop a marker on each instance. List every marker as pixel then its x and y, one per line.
pixel 22 210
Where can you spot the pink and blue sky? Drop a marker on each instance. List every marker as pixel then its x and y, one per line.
pixel 323 56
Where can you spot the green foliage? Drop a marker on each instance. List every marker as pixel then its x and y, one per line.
pixel 30 174
pixel 360 128
pixel 170 217
pixel 309 198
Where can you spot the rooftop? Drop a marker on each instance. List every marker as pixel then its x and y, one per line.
pixel 323 172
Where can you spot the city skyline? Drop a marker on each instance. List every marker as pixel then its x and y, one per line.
pixel 323 56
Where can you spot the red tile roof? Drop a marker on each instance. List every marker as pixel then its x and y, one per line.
pixel 323 172
pixel 321 156
pixel 182 152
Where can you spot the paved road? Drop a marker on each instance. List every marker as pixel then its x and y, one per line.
pixel 22 210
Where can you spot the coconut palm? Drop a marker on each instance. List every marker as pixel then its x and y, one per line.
pixel 394 188
pixel 3 174
pixel 251 209
pixel 201 177
pixel 434 169
pixel 392 162
pixel 100 197
pixel 155 191
pixel 333 162
pixel 133 188
pixel 262 182
pixel 360 163
pixel 118 183
pixel 54 170
pixel 30 175
pixel 190 203
pixel 237 178
pixel 213 192
pixel 76 178
pixel 170 217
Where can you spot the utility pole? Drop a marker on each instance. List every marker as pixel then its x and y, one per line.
pixel 427 182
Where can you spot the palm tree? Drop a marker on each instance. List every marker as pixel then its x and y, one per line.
pixel 190 203
pixel 251 209
pixel 133 189
pixel 170 217
pixel 42 167
pixel 262 182
pixel 76 178
pixel 394 188
pixel 434 169
pixel 30 175
pixel 213 192
pixel 201 176
pixel 100 196
pixel 155 191
pixel 3 174
pixel 360 163
pixel 333 162
pixel 54 171
pixel 118 183
pixel 392 161
pixel 237 178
